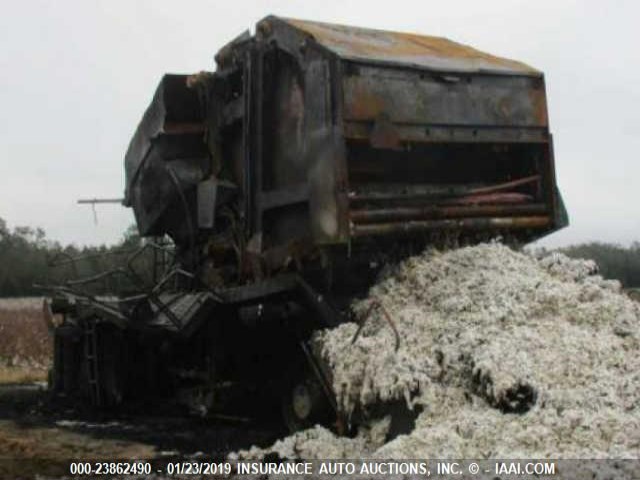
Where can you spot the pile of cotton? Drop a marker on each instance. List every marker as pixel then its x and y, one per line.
pixel 504 355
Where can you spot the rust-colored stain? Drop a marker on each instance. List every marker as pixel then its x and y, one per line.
pixel 539 102
pixel 363 103
pixel 431 52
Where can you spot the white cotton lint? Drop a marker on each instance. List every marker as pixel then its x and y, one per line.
pixel 509 356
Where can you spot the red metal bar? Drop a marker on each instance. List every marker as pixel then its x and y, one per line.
pixel 492 223
pixel 440 212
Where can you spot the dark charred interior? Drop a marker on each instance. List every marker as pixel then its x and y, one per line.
pixel 473 165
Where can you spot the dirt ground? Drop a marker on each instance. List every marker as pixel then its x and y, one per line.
pixel 39 436
pixel 32 443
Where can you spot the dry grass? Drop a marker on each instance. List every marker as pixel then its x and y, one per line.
pixel 25 344
pixel 22 374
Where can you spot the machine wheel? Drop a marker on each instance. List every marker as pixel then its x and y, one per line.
pixel 304 404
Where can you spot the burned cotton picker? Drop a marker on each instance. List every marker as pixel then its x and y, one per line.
pixel 312 157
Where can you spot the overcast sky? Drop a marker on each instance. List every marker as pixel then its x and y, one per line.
pixel 77 76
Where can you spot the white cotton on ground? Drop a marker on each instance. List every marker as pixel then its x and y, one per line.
pixel 319 442
pixel 486 331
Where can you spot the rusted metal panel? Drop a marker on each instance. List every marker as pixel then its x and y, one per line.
pixel 490 224
pixel 362 130
pixel 433 53
pixel 413 98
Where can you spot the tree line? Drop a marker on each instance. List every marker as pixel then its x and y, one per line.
pixel 614 261
pixel 28 260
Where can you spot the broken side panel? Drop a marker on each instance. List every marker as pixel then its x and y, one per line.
pixel 166 159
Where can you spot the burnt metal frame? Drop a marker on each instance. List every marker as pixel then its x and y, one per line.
pixel 278 33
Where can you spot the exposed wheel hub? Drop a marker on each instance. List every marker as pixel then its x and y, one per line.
pixel 302 401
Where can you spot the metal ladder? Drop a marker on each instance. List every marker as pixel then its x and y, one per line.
pixel 91 356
